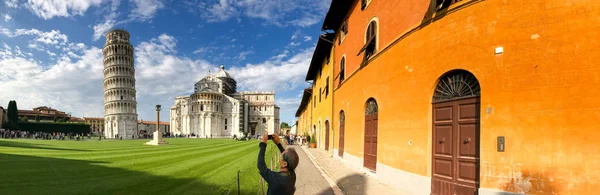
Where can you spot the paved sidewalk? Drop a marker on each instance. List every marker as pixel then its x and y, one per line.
pixel 309 179
pixel 350 180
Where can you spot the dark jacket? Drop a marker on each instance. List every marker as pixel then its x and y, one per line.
pixel 279 183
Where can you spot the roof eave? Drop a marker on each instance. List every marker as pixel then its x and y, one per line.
pixel 336 14
pixel 322 49
pixel 305 97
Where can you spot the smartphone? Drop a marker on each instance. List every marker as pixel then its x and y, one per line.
pixel 270 136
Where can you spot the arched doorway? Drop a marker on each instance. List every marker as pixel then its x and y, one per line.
pixel 341 147
pixel 327 135
pixel 370 147
pixel 455 151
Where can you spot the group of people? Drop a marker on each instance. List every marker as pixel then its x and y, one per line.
pixel 16 134
pixel 299 139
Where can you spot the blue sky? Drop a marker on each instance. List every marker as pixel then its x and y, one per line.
pixel 50 51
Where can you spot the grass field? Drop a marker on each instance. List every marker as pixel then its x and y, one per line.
pixel 185 166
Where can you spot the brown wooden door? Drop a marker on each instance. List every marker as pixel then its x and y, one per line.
pixel 341 147
pixel 327 135
pixel 370 151
pixel 455 147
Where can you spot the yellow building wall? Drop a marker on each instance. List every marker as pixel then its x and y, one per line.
pixel 542 93
pixel 321 113
pixel 304 121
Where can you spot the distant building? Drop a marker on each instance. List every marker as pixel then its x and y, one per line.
pixel 76 120
pixel 294 129
pixel 46 114
pixel 96 124
pixel 3 116
pixel 216 109
pixel 285 131
pixel 147 127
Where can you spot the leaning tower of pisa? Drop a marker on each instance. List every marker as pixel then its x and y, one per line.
pixel 120 106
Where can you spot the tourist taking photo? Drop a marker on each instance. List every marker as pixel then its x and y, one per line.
pixel 284 181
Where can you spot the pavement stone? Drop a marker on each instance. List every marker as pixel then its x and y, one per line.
pixel 309 180
pixel 350 180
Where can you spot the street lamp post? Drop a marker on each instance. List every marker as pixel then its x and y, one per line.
pixel 157 138
pixel 157 117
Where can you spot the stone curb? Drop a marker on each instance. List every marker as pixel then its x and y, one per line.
pixel 336 189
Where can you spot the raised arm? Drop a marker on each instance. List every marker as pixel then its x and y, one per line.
pixel 278 142
pixel 265 172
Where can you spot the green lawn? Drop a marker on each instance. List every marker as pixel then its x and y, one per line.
pixel 185 166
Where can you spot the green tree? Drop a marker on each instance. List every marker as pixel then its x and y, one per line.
pixel 55 119
pixel 284 125
pixel 12 111
pixel 37 118
pixel 24 119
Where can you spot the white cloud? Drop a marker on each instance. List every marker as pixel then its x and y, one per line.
pixel 7 17
pixel 221 11
pixel 288 104
pixel 275 74
pixel 295 35
pixel 243 55
pixel 293 44
pixel 11 3
pixel 109 21
pixel 200 50
pixel 145 9
pixel 306 21
pixel 307 38
pixel 52 37
pixel 100 29
pixel 233 40
pixel 48 9
pixel 51 53
pixel 273 12
pixel 68 86
pixel 35 46
pixel 161 74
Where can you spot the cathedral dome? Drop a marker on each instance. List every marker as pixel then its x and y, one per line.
pixel 222 73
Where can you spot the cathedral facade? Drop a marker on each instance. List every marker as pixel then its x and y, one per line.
pixel 217 110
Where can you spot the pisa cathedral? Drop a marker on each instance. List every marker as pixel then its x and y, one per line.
pixel 120 113
pixel 217 110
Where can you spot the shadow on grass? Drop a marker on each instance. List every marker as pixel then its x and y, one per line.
pixel 22 174
pixel 14 144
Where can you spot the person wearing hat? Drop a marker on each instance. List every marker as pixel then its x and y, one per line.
pixel 284 181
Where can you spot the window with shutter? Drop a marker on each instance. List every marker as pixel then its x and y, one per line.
pixel 344 32
pixel 364 4
pixel 342 69
pixel 444 4
pixel 326 87
pixel 370 46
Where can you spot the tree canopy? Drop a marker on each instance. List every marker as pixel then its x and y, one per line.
pixel 284 125
pixel 12 111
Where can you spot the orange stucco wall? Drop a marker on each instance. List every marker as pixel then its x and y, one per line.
pixel 542 91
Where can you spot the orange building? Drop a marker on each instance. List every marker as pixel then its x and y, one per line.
pixel 468 97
